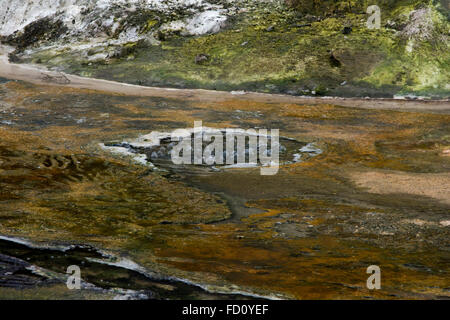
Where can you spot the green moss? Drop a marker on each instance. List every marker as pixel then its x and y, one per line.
pixel 297 55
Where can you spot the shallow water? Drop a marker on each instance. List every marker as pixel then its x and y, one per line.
pixel 100 274
pixel 308 232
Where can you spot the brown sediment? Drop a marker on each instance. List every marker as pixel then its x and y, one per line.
pixel 434 185
pixel 307 232
pixel 54 292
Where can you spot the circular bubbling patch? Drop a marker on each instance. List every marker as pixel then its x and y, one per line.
pixel 155 149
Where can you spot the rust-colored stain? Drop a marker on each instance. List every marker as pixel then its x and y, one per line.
pixel 309 232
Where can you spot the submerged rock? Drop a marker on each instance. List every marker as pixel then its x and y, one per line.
pixel 16 273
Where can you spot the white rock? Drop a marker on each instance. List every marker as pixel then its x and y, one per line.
pixel 206 22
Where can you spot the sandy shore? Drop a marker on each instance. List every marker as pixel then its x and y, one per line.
pixel 40 75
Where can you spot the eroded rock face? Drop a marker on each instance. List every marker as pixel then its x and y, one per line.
pixel 25 23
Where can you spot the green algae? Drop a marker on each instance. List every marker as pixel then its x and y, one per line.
pixel 272 48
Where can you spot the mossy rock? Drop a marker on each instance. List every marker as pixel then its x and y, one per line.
pixel 301 54
pixel 41 30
